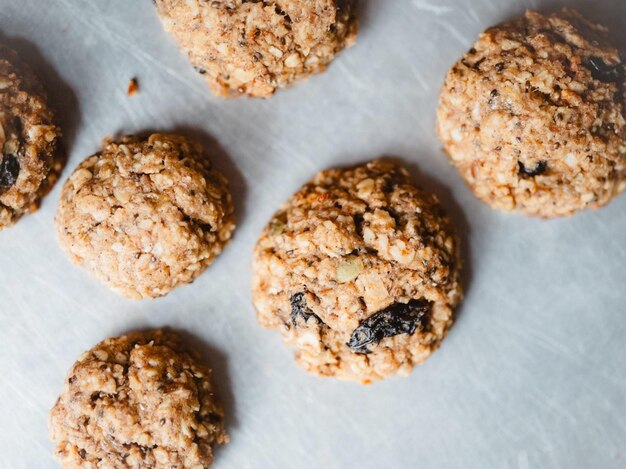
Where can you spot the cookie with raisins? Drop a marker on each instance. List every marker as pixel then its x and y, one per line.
pixel 360 272
pixel 30 159
pixel 533 116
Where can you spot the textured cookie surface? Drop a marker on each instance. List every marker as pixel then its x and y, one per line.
pixel 533 116
pixel 145 216
pixel 360 272
pixel 245 47
pixel 30 162
pixel 137 401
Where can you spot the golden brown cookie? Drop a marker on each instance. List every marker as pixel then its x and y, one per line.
pixel 145 216
pixel 256 47
pixel 360 272
pixel 137 401
pixel 30 161
pixel 533 116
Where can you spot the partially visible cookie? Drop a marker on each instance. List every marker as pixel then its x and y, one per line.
pixel 145 216
pixel 360 272
pixel 137 401
pixel 30 161
pixel 254 47
pixel 533 115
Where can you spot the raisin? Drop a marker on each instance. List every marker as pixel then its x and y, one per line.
pixel 213 418
pixel 539 168
pixel 399 318
pixel 476 66
pixel 17 125
pixel 388 186
pixel 9 170
pixel 608 73
pixel 300 309
pixel 493 99
pixel 609 127
pixel 344 5
pixel 358 224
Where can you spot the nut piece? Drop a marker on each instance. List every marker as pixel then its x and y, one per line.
pixel 145 216
pixel 252 47
pixel 533 116
pixel 30 160
pixel 140 400
pixel 362 277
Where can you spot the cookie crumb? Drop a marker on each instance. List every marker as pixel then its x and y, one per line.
pixel 133 87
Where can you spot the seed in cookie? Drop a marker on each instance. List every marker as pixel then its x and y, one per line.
pixel 141 400
pixel 254 48
pixel 30 160
pixel 360 271
pixel 145 216
pixel 533 116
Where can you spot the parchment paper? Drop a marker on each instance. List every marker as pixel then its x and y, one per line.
pixel 532 375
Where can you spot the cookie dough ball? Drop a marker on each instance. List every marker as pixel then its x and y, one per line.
pixel 140 400
pixel 145 216
pixel 360 272
pixel 253 47
pixel 30 162
pixel 533 116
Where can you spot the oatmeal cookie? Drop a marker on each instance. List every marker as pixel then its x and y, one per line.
pixel 360 272
pixel 30 161
pixel 533 116
pixel 256 47
pixel 140 400
pixel 145 216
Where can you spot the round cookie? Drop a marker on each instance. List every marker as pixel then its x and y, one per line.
pixel 140 400
pixel 533 116
pixel 360 272
pixel 145 216
pixel 254 48
pixel 30 162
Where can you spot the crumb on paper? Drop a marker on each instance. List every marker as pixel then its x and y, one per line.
pixel 133 87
